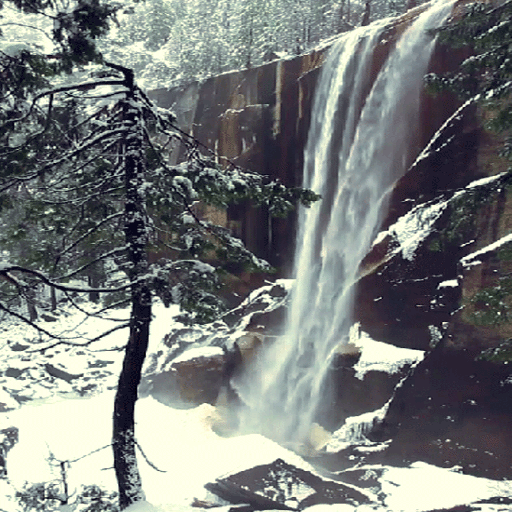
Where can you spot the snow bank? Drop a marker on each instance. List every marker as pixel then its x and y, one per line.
pixel 194 353
pixel 422 487
pixel 379 356
pixel 181 443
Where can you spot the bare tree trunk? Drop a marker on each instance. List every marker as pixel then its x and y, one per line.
pixel 94 279
pixel 124 446
pixel 53 298
pixel 365 20
pixel 123 437
pixel 30 297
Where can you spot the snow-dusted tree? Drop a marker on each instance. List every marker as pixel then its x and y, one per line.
pixel 170 41
pixel 485 76
pixel 85 154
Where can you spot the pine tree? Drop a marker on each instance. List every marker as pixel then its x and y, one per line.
pixel 485 76
pixel 84 150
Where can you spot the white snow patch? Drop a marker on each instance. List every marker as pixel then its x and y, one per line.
pixel 485 181
pixel 379 356
pixel 380 237
pixel 471 259
pixel 142 506
pixel 7 401
pixel 194 353
pixel 333 507
pixel 412 228
pixel 451 283
pixel 179 442
pixel 422 487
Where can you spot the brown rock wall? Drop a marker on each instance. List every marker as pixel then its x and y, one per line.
pixel 258 118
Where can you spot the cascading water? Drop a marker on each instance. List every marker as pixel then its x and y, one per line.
pixel 359 144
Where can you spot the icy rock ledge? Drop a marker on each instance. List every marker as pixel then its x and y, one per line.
pixel 194 363
pixel 282 486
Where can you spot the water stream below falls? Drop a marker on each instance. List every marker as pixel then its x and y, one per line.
pixel 360 139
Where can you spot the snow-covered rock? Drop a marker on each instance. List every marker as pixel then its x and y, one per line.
pixel 194 363
pixel 280 485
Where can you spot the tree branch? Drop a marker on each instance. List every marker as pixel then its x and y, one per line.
pixel 6 269
pixel 147 460
pixel 62 341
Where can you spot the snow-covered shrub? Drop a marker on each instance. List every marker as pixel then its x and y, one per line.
pixel 49 496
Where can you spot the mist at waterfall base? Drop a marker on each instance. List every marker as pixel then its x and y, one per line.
pixel 360 139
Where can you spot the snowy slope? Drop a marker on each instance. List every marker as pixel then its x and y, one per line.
pixel 182 444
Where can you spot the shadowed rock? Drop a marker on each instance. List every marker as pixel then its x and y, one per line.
pixel 283 486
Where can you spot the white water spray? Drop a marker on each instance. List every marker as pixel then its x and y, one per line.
pixel 359 144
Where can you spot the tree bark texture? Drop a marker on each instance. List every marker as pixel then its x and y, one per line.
pixel 123 439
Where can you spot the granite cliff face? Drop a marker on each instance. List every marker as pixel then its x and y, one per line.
pixel 437 278
pixel 258 118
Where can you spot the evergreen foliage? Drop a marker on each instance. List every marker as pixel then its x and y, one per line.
pixel 174 41
pixel 48 497
pixel 87 192
pixel 486 76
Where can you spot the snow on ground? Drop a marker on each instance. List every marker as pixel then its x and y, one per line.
pixel 179 442
pixel 425 487
pixel 183 443
pixel 29 373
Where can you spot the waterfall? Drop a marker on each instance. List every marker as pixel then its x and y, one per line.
pixel 359 144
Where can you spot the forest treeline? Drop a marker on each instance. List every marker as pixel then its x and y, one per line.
pixel 176 41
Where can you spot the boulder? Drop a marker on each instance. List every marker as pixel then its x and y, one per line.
pixel 14 372
pixel 195 363
pixel 18 347
pixel 60 373
pixel 455 410
pixel 282 486
pixel 195 377
pixel 263 310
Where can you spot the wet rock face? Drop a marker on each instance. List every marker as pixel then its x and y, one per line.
pixel 413 290
pixel 354 395
pixel 455 410
pixel 451 297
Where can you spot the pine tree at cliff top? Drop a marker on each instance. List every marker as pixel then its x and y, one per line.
pixel 485 76
pixel 83 153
